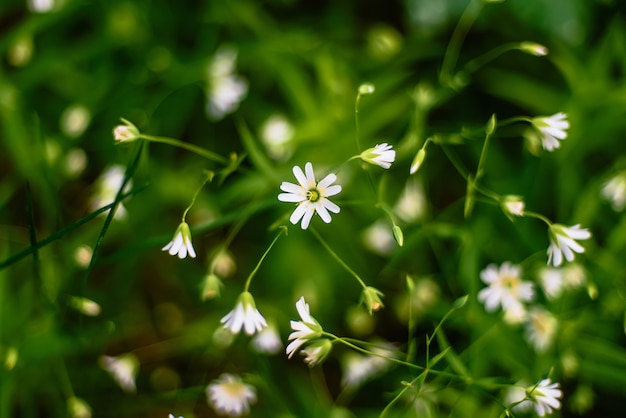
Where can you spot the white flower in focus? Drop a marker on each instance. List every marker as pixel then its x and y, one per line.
pixel 545 396
pixel 316 352
pixel 552 129
pixel 123 369
pixel 563 242
pixel 106 188
pixel 614 190
pixel 505 288
pixel 230 395
pixel 305 330
pixel 310 195
pixel 267 341
pixel 181 244
pixel 226 89
pixel 245 315
pixel 381 155
pixel 541 327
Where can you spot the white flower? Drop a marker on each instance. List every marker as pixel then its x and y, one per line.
pixel 317 351
pixel 382 155
pixel 41 6
pixel 614 190
pixel 310 195
pixel 541 327
pixel 551 280
pixel 563 242
pixel 226 89
pixel 305 330
pixel 358 368
pixel 545 396
pixel 267 341
pixel 517 395
pixel 551 129
pixel 506 288
pixel 245 315
pixel 126 132
pixel 173 416
pixel 229 395
pixel 181 243
pixel 277 133
pixel 512 205
pixel 123 369
pixel 106 188
pixel 379 238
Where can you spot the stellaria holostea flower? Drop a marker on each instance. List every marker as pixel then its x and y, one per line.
pixel 541 327
pixel 381 155
pixel 126 132
pixel 506 288
pixel 310 195
pixel 552 129
pixel 563 242
pixel 317 351
pixel 303 331
pixel 245 315
pixel 614 190
pixel 545 396
pixel 181 243
pixel 267 341
pixel 512 205
pixel 123 369
pixel 230 395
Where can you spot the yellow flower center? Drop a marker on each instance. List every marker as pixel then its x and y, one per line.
pixel 313 195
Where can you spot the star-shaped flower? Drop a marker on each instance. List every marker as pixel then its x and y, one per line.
pixel 382 155
pixel 310 195
pixel 563 242
pixel 245 315
pixel 552 129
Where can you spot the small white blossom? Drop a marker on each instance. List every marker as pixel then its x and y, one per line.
pixel 505 288
pixel 552 129
pixel 181 244
pixel 541 327
pixel 545 396
pixel 303 331
pixel 126 132
pixel 277 133
pixel 317 351
pixel 230 395
pixel 563 242
pixel 551 280
pixel 382 155
pixel 512 205
pixel 379 238
pixel 226 89
pixel 310 195
pixel 173 416
pixel 245 315
pixel 517 395
pixel 267 341
pixel 123 369
pixel 614 190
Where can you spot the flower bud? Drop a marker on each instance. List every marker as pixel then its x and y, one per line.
pixel 533 48
pixel 126 132
pixel 366 88
pixel 417 161
pixel 371 299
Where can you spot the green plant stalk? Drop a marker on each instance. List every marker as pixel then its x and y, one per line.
pixel 189 147
pixel 195 196
pixel 336 257
pixel 283 230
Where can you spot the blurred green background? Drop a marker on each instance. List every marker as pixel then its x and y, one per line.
pixel 70 69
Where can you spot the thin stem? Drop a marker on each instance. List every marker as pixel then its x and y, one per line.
pixel 249 279
pixel 456 40
pixel 356 122
pixel 483 157
pixel 208 178
pixel 538 216
pixel 189 147
pixel 336 257
pixel 488 56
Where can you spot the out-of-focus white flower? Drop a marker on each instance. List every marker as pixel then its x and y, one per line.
pixel 181 244
pixel 40 6
pixel 75 162
pixel 551 280
pixel 411 205
pixel 230 395
pixel 614 190
pixel 303 331
pixel 381 155
pixel 552 129
pixel 78 408
pixel 541 327
pixel 533 48
pixel 310 195
pixel 85 306
pixel 226 89
pixel 245 315
pixel 379 238
pixel 267 341
pixel 563 242
pixel 74 120
pixel 517 395
pixel 545 396
pixel 106 188
pixel 358 368
pixel 123 369
pixel 277 133
pixel 173 416
pixel 505 288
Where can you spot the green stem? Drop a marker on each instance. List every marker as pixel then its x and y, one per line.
pixel 208 178
pixel 481 60
pixel 336 257
pixel 249 279
pixel 538 216
pixel 189 147
pixel 356 122
pixel 483 157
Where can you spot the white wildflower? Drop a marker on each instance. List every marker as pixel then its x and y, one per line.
pixel 303 331
pixel 505 288
pixel 563 242
pixel 181 244
pixel 245 315
pixel 230 395
pixel 381 155
pixel 552 129
pixel 545 396
pixel 541 327
pixel 123 369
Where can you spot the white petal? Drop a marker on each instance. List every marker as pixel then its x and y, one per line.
pixel 306 219
pixel 332 190
pixel 291 197
pixel 323 213
pixel 330 206
pixel 327 181
pixel 297 171
pixel 298 212
pixel 310 176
